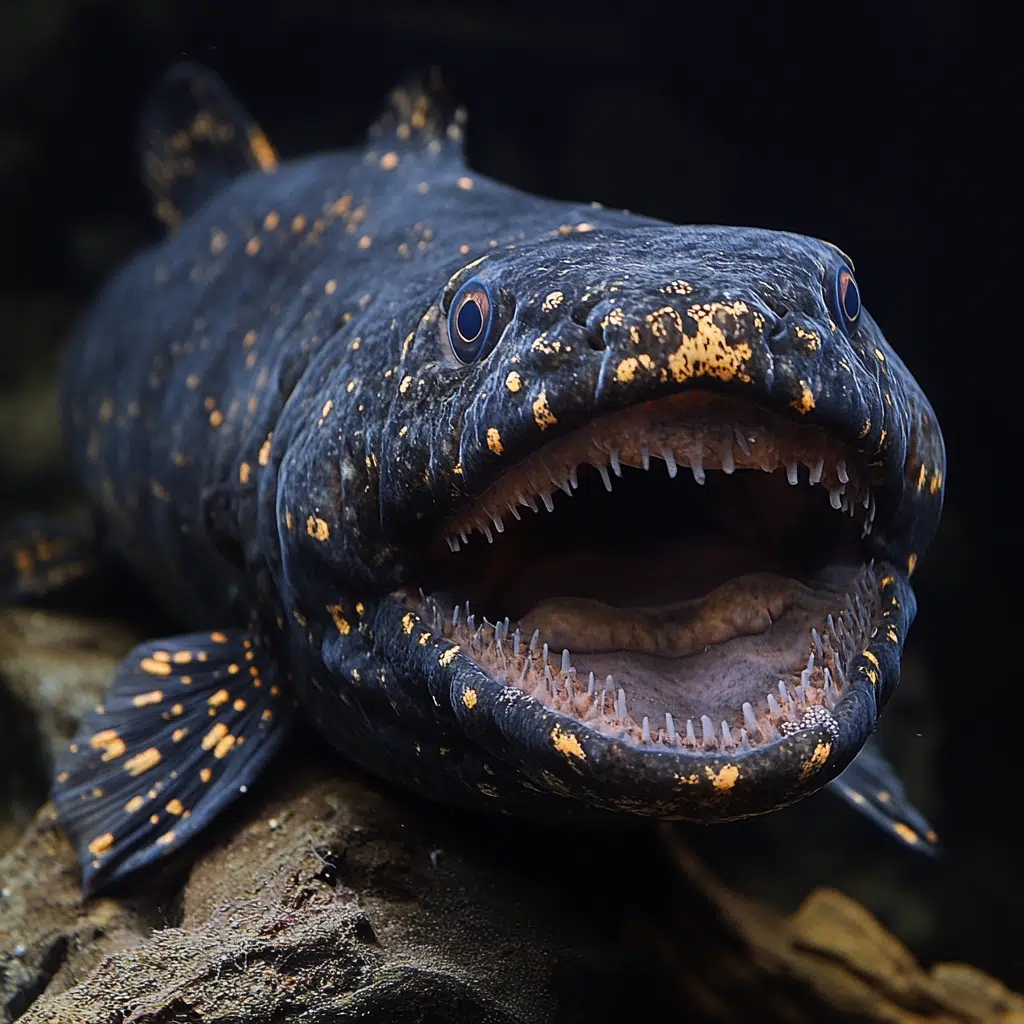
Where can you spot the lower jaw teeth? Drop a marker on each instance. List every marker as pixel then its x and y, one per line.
pixel 553 679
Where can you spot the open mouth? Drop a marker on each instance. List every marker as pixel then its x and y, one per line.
pixel 687 573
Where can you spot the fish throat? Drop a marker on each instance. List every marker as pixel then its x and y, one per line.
pixel 690 572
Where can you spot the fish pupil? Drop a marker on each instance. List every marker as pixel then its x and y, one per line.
pixel 470 320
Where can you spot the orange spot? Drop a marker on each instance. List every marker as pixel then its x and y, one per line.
pixel 143 762
pixel 216 418
pixel 175 806
pixel 140 700
pixel 220 697
pixel 214 736
pixel 252 247
pixel 271 220
pixel 101 843
pixel 154 667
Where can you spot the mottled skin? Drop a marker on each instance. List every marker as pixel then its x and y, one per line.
pixel 267 413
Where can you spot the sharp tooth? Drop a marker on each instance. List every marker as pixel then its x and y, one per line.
pixel 831 623
pixel 550 681
pixel 791 473
pixel 834 498
pixel 566 662
pixel 548 503
pixel 728 463
pixel 726 734
pixel 455 617
pixel 670 728
pixel 801 693
pixel 591 684
pixel 830 691
pixel 487 534
pixel 574 481
pixel 866 500
pixel 462 534
pixel 645 730
pixel 515 512
pixel 691 736
pixel 707 731
pixel 645 456
pixel 744 741
pixel 570 690
pixel 844 477
pixel 605 478
pixel 816 470
pixel 773 706
pixel 741 440
pixel 527 665
pixel 563 485
pixel 790 703
pixel 749 718
pixel 697 467
pixel 453 545
pixel 533 640
pixel 544 654
pixel 816 640
pixel 498 524
pixel 621 701
pixel 670 460
pixel 613 455
pixel 529 503
pixel 517 639
pixel 471 623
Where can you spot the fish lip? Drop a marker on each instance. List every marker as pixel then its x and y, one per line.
pixel 562 756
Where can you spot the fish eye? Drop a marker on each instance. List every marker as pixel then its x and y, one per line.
pixel 471 322
pixel 847 296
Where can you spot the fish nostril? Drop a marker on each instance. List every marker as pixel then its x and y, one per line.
pixel 777 327
pixel 581 316
pixel 776 305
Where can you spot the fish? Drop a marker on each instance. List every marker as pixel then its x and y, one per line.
pixel 528 506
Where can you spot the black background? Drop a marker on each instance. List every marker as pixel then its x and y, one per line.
pixel 886 130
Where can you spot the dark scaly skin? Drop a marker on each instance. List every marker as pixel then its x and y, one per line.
pixel 267 413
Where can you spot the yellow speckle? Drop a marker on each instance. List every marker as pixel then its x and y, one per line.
pixel 817 760
pixel 494 440
pixel 678 288
pixel 317 528
pixel 216 418
pixel 223 747
pixel 220 697
pixel 408 621
pixel 708 354
pixel 179 734
pixel 542 414
pixel 218 637
pixel 404 386
pixel 805 403
pixel 252 247
pixel 422 639
pixel 360 608
pixel 465 182
pixel 218 241
pixel 334 610
pixel 725 778
pixel 134 804
pixel 106 410
pixel 149 758
pixel 101 843
pixel 469 698
pixel 263 458
pixel 552 301
pixel 244 471
pixel 911 564
pixel 389 161
pixel 463 249
pixel 166 839
pixel 205 774
pixel 626 370
pixel 566 743
pixel 271 220
pixel 331 287
pixel 298 222
pixel 513 381
pixel 871 657
pixel 447 657
pixel 906 833
pixel 365 241
pixel 214 736
pixel 140 700
pixel 328 406
pixel 175 807
pixel 154 667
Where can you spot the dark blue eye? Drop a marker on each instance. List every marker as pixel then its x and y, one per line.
pixel 847 297
pixel 471 322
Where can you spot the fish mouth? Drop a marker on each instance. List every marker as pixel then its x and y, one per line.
pixel 691 573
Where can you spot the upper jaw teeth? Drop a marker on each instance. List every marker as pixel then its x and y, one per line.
pixel 699 448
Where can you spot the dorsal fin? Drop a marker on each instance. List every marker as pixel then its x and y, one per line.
pixel 195 137
pixel 420 116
